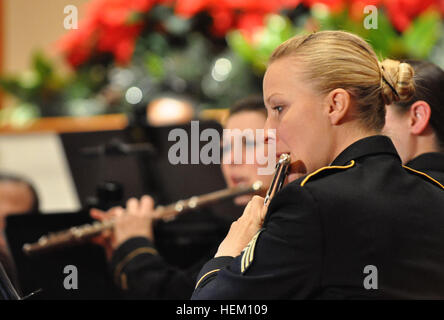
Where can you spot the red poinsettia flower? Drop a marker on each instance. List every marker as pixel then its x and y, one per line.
pixel 261 5
pixel 223 20
pixel 188 8
pixel 441 6
pixel 253 5
pixel 249 23
pixel 246 15
pixel 106 28
pixel 290 3
pixel 357 7
pixel 402 12
pixel 124 49
pixel 229 14
pixel 119 41
pixel 78 44
pixel 333 5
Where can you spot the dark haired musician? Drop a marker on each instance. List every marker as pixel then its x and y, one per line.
pixel 416 126
pixel 17 196
pixel 136 264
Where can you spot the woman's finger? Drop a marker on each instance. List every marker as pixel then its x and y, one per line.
pixel 146 206
pixel 132 205
pixel 246 211
pixel 119 212
pixel 112 212
pixel 255 210
pixel 97 214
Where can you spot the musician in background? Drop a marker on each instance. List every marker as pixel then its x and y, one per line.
pixel 137 267
pixel 249 113
pixel 17 196
pixel 416 126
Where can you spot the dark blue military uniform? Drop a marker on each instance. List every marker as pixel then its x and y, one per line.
pixel 431 163
pixel 363 227
pixel 147 271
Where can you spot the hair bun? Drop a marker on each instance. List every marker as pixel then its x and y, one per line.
pixel 397 81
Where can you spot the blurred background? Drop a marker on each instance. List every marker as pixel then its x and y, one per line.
pixel 94 65
pixel 90 89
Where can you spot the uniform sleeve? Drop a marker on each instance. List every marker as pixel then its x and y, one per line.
pixel 284 261
pixel 142 273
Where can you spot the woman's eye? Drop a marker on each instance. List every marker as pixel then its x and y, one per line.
pixel 278 108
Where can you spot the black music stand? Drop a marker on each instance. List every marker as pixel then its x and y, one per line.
pixel 7 289
pixel 45 271
pixel 95 158
pixel 181 242
pixel 147 171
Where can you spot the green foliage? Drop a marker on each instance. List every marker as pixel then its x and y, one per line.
pixel 39 84
pixel 178 56
pixel 258 50
pixel 416 42
pixel 422 35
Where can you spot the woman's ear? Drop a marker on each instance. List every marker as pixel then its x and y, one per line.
pixel 419 114
pixel 338 102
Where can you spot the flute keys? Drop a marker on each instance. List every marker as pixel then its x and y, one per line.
pixel 257 185
pixel 166 213
pixel 43 241
pixel 192 203
pixel 76 232
pixel 27 247
pixel 97 226
pixel 180 205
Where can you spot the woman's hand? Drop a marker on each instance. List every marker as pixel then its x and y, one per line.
pixel 243 230
pixel 134 221
pixel 106 238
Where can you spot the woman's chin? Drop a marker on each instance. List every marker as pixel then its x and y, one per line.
pixel 296 170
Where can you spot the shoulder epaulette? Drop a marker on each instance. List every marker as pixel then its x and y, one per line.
pixel 351 164
pixel 425 175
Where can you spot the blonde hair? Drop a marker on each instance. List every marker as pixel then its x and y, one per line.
pixel 337 59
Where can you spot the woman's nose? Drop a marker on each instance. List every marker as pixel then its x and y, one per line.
pixel 269 133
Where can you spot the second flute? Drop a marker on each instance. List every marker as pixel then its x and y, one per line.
pixel 82 233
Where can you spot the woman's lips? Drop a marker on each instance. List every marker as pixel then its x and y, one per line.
pixel 238 181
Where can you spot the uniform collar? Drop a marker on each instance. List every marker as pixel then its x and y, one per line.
pixel 433 161
pixel 365 147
